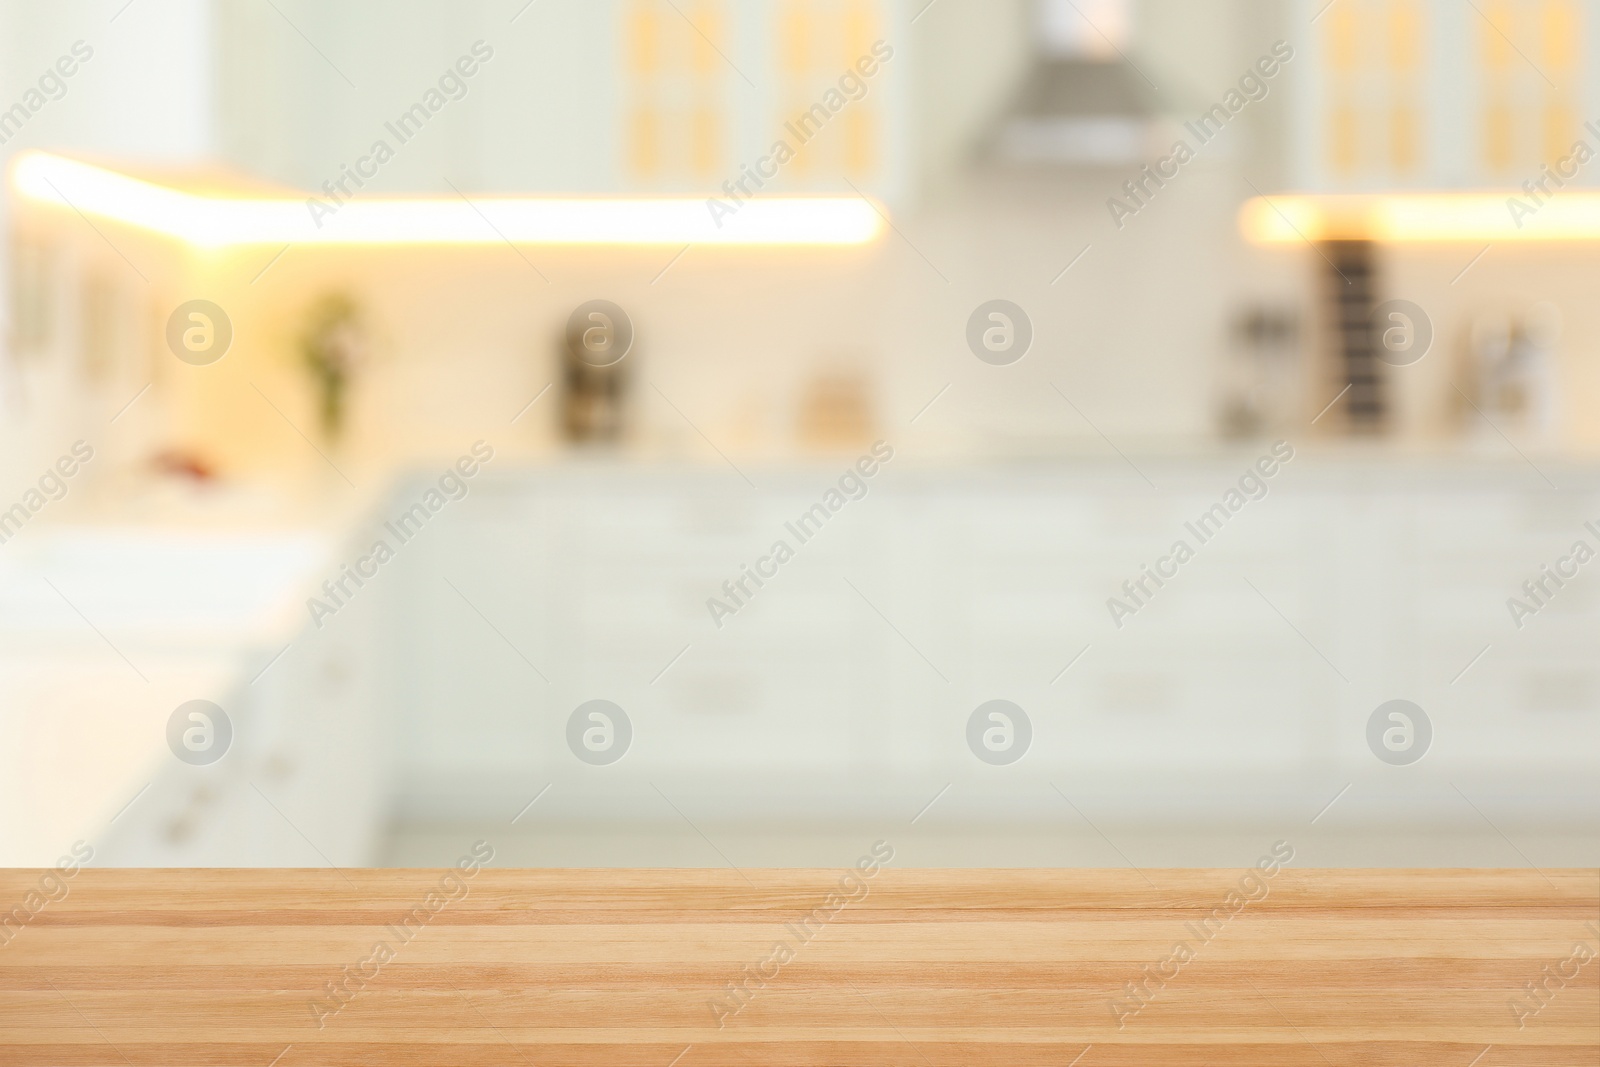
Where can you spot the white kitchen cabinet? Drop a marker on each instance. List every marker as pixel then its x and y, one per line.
pixel 843 687
pixel 303 783
pixel 1430 94
pixel 1251 674
pixel 610 96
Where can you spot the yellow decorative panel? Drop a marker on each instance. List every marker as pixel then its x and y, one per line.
pixel 860 143
pixel 644 40
pixel 1497 35
pixel 705 39
pixel 1497 144
pixel 1405 138
pixel 1342 130
pixel 796 133
pixel 1559 29
pixel 1344 39
pixel 705 141
pixel 644 142
pixel 1405 38
pixel 859 31
pixel 794 27
pixel 1560 130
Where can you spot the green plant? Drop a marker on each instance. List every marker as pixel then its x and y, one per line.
pixel 332 348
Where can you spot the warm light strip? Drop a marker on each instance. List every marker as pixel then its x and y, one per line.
pixel 1569 215
pixel 216 221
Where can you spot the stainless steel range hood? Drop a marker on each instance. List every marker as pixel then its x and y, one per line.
pixel 1073 111
pixel 1082 101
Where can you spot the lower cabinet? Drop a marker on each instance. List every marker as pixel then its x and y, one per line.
pixel 845 680
pixel 1250 670
pixel 302 781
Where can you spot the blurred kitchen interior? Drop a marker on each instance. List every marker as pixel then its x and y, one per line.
pixel 1174 342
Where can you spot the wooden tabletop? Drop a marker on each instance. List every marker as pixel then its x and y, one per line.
pixel 912 968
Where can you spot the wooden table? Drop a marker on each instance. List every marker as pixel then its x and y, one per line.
pixel 927 969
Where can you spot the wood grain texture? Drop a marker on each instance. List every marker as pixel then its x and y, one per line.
pixel 927 969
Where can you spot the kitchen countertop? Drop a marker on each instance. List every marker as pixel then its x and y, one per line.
pixel 928 967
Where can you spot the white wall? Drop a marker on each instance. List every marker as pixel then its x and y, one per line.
pixel 145 97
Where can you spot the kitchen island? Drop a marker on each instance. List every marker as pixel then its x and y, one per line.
pixel 869 965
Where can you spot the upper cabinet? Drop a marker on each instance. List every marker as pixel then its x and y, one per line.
pixel 1407 94
pixel 657 97
pixel 792 95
